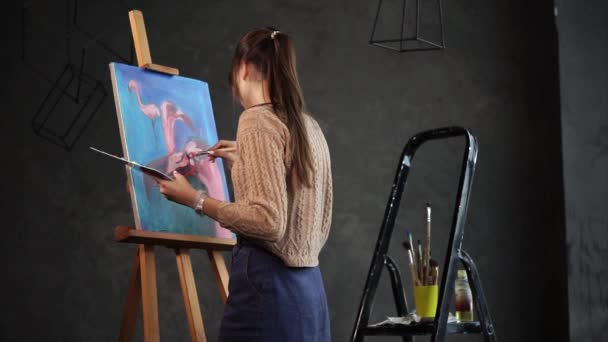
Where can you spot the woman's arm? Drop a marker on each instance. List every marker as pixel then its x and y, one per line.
pixel 261 211
pixel 260 179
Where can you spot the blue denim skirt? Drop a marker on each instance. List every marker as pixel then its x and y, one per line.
pixel 269 301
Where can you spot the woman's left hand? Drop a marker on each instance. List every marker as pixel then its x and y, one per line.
pixel 178 190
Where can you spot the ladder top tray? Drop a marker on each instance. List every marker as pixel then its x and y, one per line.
pixel 422 328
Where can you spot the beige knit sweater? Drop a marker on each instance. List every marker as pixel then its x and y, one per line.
pixel 294 225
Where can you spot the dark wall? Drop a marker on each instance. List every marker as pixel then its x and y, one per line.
pixel 65 279
pixel 583 55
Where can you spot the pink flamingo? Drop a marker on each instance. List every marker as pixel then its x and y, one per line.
pixel 169 115
pixel 149 109
pixel 168 112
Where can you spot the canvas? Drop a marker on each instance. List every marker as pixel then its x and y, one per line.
pixel 161 118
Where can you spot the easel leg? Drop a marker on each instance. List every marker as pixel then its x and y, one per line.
pixel 220 271
pixel 149 296
pixel 193 310
pixel 127 326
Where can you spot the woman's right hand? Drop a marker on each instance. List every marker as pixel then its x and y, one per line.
pixel 225 149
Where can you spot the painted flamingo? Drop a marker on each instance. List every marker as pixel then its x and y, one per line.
pixel 150 110
pixel 169 115
pixel 168 112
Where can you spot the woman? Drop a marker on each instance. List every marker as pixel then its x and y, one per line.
pixel 281 176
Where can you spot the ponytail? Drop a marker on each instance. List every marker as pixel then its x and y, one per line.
pixel 273 54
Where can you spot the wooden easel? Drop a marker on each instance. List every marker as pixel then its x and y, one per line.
pixel 142 285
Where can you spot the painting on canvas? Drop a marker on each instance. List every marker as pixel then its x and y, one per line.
pixel 162 118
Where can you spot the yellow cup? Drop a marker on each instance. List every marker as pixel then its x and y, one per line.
pixel 425 298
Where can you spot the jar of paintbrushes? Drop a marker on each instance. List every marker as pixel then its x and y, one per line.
pixel 424 271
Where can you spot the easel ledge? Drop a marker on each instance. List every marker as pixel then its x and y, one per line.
pixel 171 240
pixel 142 49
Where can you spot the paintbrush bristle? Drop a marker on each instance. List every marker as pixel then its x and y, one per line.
pixel 428 204
pixel 407 245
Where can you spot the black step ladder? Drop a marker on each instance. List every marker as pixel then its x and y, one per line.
pixel 439 327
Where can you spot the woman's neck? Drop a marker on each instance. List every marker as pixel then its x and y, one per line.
pixel 257 96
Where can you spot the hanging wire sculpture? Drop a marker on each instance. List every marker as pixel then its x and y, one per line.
pixel 74 86
pixel 409 41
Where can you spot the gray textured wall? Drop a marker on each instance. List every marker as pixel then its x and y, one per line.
pixel 65 279
pixel 583 54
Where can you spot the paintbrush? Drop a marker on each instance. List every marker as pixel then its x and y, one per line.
pixel 420 263
pixel 434 266
pixel 411 239
pixel 408 247
pixel 200 153
pixel 427 256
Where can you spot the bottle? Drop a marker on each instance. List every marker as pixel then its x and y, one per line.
pixel 464 298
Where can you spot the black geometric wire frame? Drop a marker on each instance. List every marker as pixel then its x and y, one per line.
pixel 74 123
pixel 73 84
pixel 422 45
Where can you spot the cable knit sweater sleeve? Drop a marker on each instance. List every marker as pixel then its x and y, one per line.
pixel 259 177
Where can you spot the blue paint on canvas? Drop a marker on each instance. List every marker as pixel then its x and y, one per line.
pixel 162 118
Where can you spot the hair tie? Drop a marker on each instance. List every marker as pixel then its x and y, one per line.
pixel 273 34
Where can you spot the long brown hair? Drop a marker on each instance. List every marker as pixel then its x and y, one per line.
pixel 273 55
